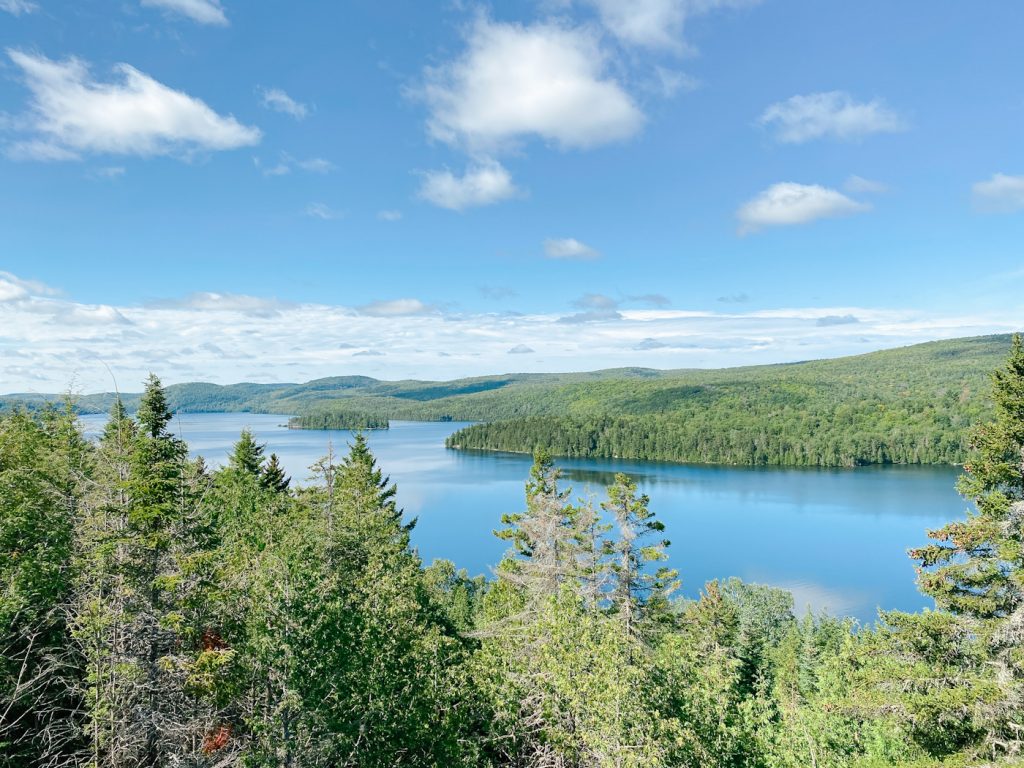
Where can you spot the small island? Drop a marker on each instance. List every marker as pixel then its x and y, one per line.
pixel 347 420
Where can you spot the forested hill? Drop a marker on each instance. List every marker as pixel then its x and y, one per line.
pixel 912 404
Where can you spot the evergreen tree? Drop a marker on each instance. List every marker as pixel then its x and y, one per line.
pixel 638 593
pixel 247 456
pixel 272 475
pixel 44 465
pixel 975 567
pixel 135 617
pixel 368 497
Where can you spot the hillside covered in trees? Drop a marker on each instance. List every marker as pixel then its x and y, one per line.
pixel 155 613
pixel 910 405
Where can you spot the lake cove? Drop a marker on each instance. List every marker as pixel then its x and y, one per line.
pixel 837 539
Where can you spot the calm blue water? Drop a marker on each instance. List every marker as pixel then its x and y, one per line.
pixel 836 538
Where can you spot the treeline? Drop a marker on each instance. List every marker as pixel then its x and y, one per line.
pixel 846 436
pixel 334 419
pixel 156 613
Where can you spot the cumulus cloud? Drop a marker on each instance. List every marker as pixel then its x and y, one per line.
pixel 788 203
pixel 485 183
pixel 521 349
pixel 47 340
pixel 18 7
pixel 569 248
pixel 834 114
pixel 72 113
pixel 516 81
pixel 656 24
pixel 1000 194
pixel 279 101
pixel 202 11
pixel 396 308
pixel 389 215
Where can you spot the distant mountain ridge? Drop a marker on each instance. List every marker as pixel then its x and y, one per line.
pixel 913 404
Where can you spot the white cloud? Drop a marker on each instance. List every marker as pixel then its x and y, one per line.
pixel 287 163
pixel 324 212
pixel 788 203
pixel 109 172
pixel 71 113
pixel 21 287
pixel 595 301
pixel 669 82
pixel 279 101
pixel 516 81
pixel 1000 194
pixel 834 114
pixel 48 340
pixel 485 183
pixel 858 184
pixel 202 11
pixel 569 248
pixel 390 215
pixel 648 23
pixel 396 308
pixel 656 24
pixel 316 165
pixel 11 291
pixel 18 7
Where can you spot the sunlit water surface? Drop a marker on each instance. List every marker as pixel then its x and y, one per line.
pixel 836 538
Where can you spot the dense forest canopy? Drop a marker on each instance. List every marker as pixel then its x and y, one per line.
pixel 904 406
pixel 156 613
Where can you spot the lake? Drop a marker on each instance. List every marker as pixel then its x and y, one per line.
pixel 836 538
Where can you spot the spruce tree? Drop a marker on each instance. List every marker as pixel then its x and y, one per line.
pixel 247 456
pixel 638 592
pixel 44 465
pixel 272 475
pixel 975 567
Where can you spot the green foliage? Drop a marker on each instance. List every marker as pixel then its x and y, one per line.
pixel 336 419
pixel 153 613
pixel 910 406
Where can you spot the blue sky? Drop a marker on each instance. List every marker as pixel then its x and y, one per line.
pixel 278 191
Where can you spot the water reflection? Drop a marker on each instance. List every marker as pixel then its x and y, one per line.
pixel 836 538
